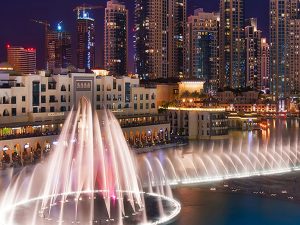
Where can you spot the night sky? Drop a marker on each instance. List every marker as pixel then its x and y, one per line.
pixel 17 29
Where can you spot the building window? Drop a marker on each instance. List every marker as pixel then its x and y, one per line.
pixel 147 96
pixel 135 106
pixel 119 106
pixel 63 109
pixel 52 85
pixel 43 87
pixel 114 84
pixel 135 97
pixel 141 106
pixel 119 87
pixel 52 109
pixel 23 98
pixel 43 99
pixel 63 98
pixel 153 96
pixel 23 110
pixel 98 87
pixel 98 98
pixel 119 97
pixel 98 107
pixel 127 92
pixel 35 110
pixel 147 105
pixel 43 109
pixel 52 98
pixel 63 88
pixel 13 100
pixel 141 97
pixel 153 106
pixel 13 111
pixel 35 93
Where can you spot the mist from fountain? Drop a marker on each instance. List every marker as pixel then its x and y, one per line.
pixel 90 164
pixel 223 160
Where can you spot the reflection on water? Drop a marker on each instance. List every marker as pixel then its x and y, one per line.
pixel 210 208
pixel 243 154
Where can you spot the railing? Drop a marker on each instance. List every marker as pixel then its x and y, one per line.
pixel 143 124
pixel 38 134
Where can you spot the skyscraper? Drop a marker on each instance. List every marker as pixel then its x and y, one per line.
pixel 159 38
pixel 294 56
pixel 23 60
pixel 264 84
pixel 59 48
pixel 202 41
pixel 281 14
pixel 253 54
pixel 232 44
pixel 85 41
pixel 116 38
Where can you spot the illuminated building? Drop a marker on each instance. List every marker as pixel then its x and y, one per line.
pixel 159 38
pixel 202 39
pixel 199 123
pixel 294 56
pixel 265 67
pixel 116 38
pixel 36 106
pixel 253 54
pixel 232 44
pixel 281 14
pixel 85 41
pixel 23 60
pixel 191 86
pixel 59 48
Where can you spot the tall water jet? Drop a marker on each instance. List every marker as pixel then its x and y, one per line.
pixel 89 178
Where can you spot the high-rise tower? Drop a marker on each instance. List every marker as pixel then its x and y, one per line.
pixel 253 54
pixel 85 41
pixel 116 38
pixel 282 15
pixel 265 66
pixel 159 38
pixel 202 51
pixel 232 44
pixel 59 48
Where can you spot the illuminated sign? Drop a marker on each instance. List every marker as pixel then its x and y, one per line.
pixel 83 85
pixel 56 114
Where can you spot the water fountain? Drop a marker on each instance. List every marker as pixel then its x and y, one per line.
pixel 213 161
pixel 90 178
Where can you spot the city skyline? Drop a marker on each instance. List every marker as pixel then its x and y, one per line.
pixel 29 34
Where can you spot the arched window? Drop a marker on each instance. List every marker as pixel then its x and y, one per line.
pixel 5 112
pixel 153 106
pixel 63 88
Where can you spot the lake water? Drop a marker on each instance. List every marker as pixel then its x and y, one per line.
pixel 212 208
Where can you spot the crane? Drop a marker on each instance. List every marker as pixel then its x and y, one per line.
pixel 47 26
pixel 85 7
pixel 44 23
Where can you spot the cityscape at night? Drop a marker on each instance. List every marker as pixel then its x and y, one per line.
pixel 149 112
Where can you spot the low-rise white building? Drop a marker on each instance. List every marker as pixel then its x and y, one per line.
pixel 37 105
pixel 199 123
